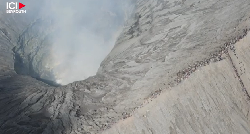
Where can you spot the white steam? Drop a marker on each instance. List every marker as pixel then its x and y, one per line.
pixel 86 31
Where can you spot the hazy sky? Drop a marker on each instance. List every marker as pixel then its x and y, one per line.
pixel 86 31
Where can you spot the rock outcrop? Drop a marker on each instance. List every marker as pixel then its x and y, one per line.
pixel 177 67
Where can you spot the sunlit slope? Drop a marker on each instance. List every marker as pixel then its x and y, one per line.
pixel 211 100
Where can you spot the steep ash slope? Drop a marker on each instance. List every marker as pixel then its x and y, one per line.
pixel 211 100
pixel 163 38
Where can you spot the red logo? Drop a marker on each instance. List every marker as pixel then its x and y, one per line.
pixel 21 5
pixel 15 7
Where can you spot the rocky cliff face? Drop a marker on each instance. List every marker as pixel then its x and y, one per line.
pixel 177 67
